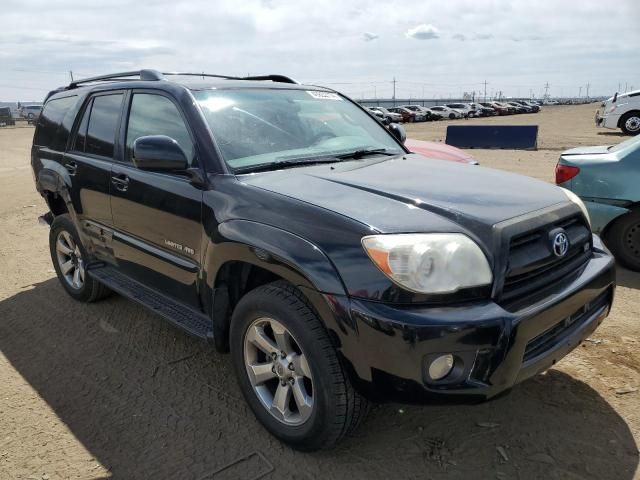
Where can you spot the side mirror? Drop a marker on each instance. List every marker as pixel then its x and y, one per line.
pixel 158 152
pixel 615 97
pixel 398 131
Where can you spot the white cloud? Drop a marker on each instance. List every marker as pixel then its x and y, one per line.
pixel 369 37
pixel 323 42
pixel 423 32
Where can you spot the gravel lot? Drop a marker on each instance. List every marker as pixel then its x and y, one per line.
pixel 108 390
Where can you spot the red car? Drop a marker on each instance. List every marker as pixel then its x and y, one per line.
pixel 440 151
pixel 407 115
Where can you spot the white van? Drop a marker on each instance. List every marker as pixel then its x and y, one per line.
pixel 621 111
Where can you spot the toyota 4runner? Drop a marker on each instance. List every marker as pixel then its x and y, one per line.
pixel 285 224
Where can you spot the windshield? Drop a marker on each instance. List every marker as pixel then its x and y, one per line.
pixel 632 143
pixel 253 127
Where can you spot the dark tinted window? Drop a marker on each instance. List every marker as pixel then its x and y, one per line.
pixel 81 136
pixel 50 119
pixel 103 124
pixel 156 115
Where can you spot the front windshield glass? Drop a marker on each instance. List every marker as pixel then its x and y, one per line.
pixel 253 127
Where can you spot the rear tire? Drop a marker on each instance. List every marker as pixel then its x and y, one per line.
pixel 623 239
pixel 332 407
pixel 630 123
pixel 69 256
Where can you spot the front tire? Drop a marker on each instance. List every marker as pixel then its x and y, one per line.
pixel 623 238
pixel 289 371
pixel 69 260
pixel 630 123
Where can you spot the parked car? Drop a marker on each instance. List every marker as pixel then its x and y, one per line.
pixel 336 266
pixel 438 150
pixel 550 102
pixel 499 109
pixel 482 111
pixel 408 115
pixel 463 108
pixel 6 118
pixel 621 111
pixel 606 178
pixel 419 110
pixel 447 112
pixel 392 117
pixel 30 111
pixel 531 108
pixel 520 108
pixel 380 115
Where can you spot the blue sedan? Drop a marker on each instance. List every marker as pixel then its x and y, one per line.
pixel 607 178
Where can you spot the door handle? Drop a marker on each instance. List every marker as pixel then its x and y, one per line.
pixel 71 167
pixel 121 182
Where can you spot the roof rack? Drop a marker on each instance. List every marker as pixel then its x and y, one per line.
pixel 143 74
pixel 273 78
pixel 154 75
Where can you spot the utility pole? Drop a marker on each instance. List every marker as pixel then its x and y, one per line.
pixel 375 92
pixel 588 85
pixel 485 90
pixel 394 90
pixel 579 92
pixel 546 90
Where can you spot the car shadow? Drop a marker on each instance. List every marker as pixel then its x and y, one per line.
pixel 613 134
pixel 150 402
pixel 627 278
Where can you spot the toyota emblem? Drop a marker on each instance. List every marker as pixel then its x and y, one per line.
pixel 560 244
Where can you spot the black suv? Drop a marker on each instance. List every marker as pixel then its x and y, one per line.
pixel 284 223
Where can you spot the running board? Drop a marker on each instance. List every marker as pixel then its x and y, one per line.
pixel 191 321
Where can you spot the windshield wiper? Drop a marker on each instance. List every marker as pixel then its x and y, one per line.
pixel 364 152
pixel 278 164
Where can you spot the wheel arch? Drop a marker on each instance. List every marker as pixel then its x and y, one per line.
pixel 251 254
pixel 623 117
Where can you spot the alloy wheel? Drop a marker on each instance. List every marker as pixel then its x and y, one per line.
pixel 278 371
pixel 70 260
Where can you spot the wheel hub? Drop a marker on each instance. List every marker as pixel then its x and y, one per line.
pixel 278 371
pixel 633 124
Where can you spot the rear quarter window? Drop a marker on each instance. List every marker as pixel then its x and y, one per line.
pixel 50 131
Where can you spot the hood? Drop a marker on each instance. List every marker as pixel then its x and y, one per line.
pixel 441 151
pixel 404 193
pixel 587 150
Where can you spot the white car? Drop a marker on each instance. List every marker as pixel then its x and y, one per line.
pixel 447 112
pixel 463 108
pixel 621 111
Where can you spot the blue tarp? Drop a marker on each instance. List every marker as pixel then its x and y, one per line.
pixel 520 137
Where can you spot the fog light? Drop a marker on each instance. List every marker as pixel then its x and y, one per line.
pixel 441 367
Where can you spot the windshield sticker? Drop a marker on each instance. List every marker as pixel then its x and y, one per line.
pixel 324 95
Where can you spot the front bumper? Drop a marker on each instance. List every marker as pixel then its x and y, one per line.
pixel 494 348
pixel 606 121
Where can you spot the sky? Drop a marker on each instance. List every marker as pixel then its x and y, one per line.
pixel 433 48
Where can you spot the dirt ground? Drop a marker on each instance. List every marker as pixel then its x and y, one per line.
pixel 109 390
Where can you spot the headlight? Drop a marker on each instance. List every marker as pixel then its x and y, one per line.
pixel 578 201
pixel 429 262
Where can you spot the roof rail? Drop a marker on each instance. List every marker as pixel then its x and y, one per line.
pixel 154 75
pixel 143 74
pixel 273 78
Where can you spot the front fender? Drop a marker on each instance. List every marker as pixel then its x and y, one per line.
pixel 285 254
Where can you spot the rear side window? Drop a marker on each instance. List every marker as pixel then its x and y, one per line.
pixel 48 133
pixel 157 115
pixel 103 123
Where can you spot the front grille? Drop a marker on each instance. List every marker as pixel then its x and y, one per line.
pixel 532 266
pixel 550 337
